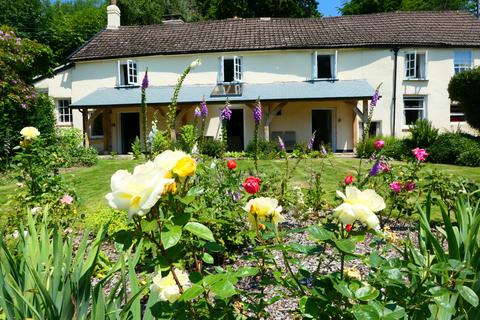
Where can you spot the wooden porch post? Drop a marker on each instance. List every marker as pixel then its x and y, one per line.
pixel 86 131
pixel 107 130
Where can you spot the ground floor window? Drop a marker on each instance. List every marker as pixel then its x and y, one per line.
pixel 414 109
pixel 96 130
pixel 374 130
pixel 456 113
pixel 64 111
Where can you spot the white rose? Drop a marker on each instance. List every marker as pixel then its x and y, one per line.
pixel 166 287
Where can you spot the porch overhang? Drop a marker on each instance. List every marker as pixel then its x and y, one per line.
pixel 268 92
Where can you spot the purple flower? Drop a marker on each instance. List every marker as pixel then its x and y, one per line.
pixel 281 144
pixel 24 106
pixel 145 80
pixel 311 142
pixel 257 113
pixel 236 196
pixel 203 109
pixel 226 113
pixel 197 113
pixel 396 186
pixel 374 100
pixel 375 169
pixel 324 151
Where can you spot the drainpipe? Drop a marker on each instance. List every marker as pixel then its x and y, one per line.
pixel 394 96
pixel 478 9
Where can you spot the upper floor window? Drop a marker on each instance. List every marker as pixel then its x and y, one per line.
pixel 324 65
pixel 462 60
pixel 64 111
pixel 416 65
pixel 414 109
pixel 127 73
pixel 230 69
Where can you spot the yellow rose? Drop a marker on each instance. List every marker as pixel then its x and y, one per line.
pixel 166 287
pixel 175 162
pixel 137 192
pixel 359 206
pixel 30 133
pixel 352 273
pixel 263 209
pixel 185 167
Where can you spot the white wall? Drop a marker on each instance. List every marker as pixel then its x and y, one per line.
pixel 374 65
pixel 60 87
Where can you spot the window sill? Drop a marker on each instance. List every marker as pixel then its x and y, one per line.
pixel 324 79
pixel 127 86
pixel 64 124
pixel 415 79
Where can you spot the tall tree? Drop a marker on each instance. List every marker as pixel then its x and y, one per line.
pixel 143 12
pixel 371 6
pixel 222 9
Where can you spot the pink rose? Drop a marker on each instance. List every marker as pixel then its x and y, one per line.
pixel 66 199
pixel 409 186
pixel 420 154
pixel 379 144
pixel 396 186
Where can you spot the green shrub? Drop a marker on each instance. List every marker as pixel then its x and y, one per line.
pixel 394 148
pixel 469 158
pixel 69 147
pixel 137 148
pixel 423 134
pixel 463 87
pixel 212 148
pixel 449 146
pixel 101 216
pixel 188 137
pixel 266 149
pixel 160 142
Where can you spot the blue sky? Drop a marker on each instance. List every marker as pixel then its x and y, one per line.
pixel 329 7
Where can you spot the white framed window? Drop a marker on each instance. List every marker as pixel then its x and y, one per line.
pixel 456 113
pixel 416 65
pixel 324 65
pixel 64 112
pixel 462 60
pixel 413 109
pixel 127 73
pixel 230 69
pixel 96 129
pixel 374 130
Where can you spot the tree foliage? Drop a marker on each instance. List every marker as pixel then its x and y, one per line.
pixel 372 6
pixel 20 61
pixel 222 9
pixel 463 87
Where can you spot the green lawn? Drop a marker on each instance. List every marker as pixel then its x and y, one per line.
pixel 93 183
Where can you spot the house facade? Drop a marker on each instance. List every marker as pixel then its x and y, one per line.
pixel 311 75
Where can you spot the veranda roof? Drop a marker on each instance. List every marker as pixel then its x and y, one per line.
pixel 248 92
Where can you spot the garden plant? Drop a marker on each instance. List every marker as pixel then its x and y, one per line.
pixel 201 238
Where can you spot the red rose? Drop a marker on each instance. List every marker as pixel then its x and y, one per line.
pixel 349 180
pixel 251 185
pixel 231 164
pixel 348 227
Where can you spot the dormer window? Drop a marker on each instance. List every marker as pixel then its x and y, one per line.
pixel 127 73
pixel 416 65
pixel 230 69
pixel 324 65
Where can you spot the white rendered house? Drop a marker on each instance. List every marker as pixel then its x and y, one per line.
pixel 311 75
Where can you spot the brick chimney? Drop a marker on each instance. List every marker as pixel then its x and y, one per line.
pixel 113 15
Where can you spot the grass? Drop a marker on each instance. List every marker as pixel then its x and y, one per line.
pixel 93 183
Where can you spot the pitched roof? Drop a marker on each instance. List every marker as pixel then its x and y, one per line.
pixel 419 28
